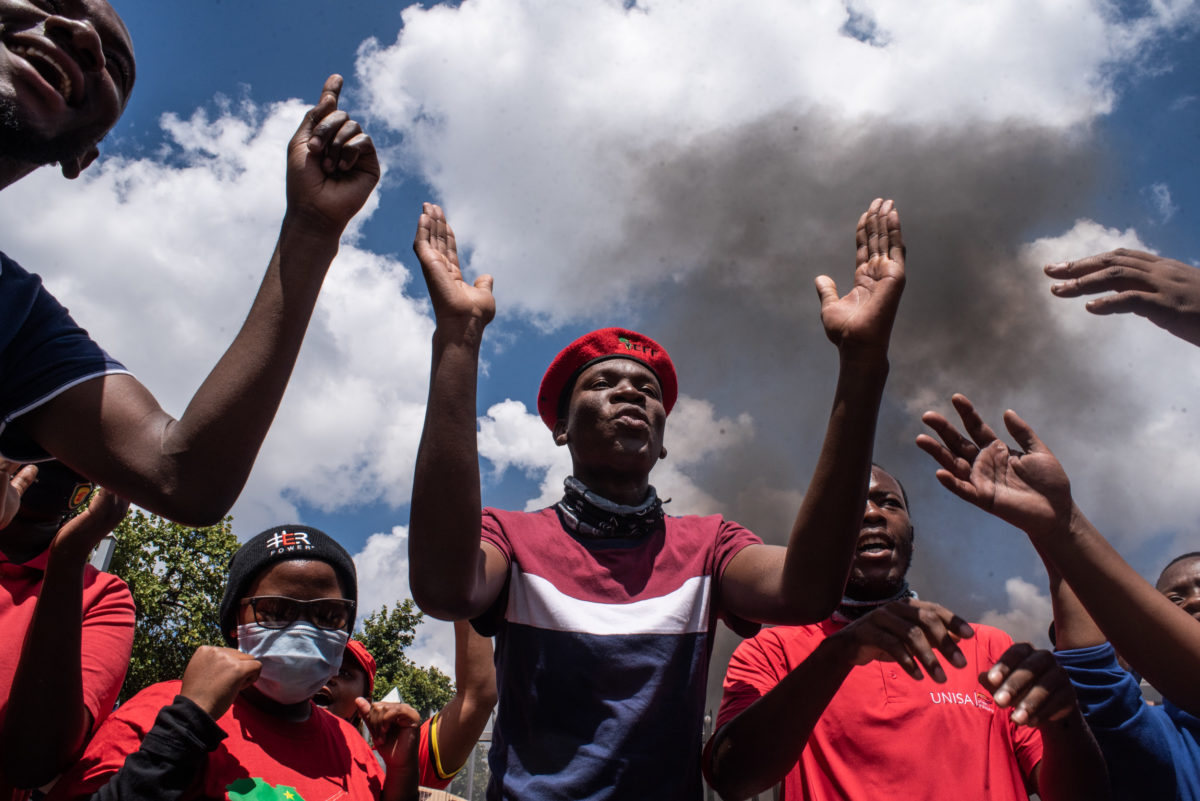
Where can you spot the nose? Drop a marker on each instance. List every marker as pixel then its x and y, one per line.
pixel 80 38
pixel 872 514
pixel 627 391
pixel 1191 604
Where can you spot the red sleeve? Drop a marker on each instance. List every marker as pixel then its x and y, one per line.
pixel 731 539
pixel 756 666
pixel 434 775
pixel 492 531
pixel 106 641
pixel 118 737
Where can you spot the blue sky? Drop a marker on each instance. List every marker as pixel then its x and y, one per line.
pixel 684 168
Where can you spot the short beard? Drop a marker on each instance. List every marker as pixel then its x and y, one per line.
pixel 19 143
pixel 860 591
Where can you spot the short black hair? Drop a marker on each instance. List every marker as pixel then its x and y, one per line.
pixel 903 492
pixel 1180 558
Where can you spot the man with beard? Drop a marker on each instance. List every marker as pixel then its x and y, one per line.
pixel 66 70
pixel 826 710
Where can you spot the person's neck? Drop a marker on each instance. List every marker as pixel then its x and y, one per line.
pixel 622 488
pixel 21 547
pixel 13 170
pixel 292 713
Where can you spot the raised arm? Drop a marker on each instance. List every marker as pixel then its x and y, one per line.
pixel 1164 291
pixel 803 583
pixel 756 749
pixel 47 692
pixel 452 575
pixel 192 469
pixel 461 722
pixel 1030 490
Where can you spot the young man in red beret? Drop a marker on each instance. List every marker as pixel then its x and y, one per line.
pixel 603 606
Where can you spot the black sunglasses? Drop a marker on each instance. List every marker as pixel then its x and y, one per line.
pixel 279 611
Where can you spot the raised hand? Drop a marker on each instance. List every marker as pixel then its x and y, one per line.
pixel 1164 291
pixel 1031 683
pixel 82 533
pixel 214 676
pixel 860 323
pixel 16 478
pixel 394 731
pixel 1026 488
pixel 908 632
pixel 332 165
pixel 452 297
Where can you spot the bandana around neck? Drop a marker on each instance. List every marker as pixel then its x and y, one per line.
pixel 850 609
pixel 584 512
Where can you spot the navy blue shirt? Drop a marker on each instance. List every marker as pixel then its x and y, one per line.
pixel 1152 751
pixel 43 352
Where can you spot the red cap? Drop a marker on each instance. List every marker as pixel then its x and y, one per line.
pixel 607 343
pixel 367 662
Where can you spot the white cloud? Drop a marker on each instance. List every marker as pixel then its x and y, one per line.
pixel 1125 449
pixel 382 567
pixel 160 261
pixel 534 122
pixel 1028 616
pixel 1159 196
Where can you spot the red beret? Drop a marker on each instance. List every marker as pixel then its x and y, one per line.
pixel 367 662
pixel 607 343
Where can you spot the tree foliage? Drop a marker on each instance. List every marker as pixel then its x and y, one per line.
pixel 177 576
pixel 387 634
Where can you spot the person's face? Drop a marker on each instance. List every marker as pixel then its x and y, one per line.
pixel 615 417
pixel 1180 583
pixel 300 579
pixel 66 70
pixel 885 541
pixel 339 692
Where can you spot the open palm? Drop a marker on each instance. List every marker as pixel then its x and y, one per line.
pixel 861 321
pixel 1027 488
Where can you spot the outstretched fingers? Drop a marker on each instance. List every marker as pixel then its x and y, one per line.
pixel 979 431
pixel 1023 433
pixel 1116 270
pixel 895 238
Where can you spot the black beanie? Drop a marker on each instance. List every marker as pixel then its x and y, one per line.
pixel 278 545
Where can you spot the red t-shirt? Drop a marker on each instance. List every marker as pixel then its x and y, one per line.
pixel 434 774
pixel 107 635
pixel 321 759
pixel 885 735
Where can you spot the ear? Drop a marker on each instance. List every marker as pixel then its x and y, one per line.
pixel 73 166
pixel 560 433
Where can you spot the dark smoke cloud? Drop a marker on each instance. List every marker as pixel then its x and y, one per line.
pixel 764 208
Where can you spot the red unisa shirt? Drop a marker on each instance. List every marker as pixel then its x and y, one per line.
pixel 886 735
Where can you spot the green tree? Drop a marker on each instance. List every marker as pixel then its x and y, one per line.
pixel 387 634
pixel 177 576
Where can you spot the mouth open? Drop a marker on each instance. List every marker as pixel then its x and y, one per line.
pixel 323 697
pixel 46 66
pixel 873 546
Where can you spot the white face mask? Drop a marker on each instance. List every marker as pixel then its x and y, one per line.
pixel 296 660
